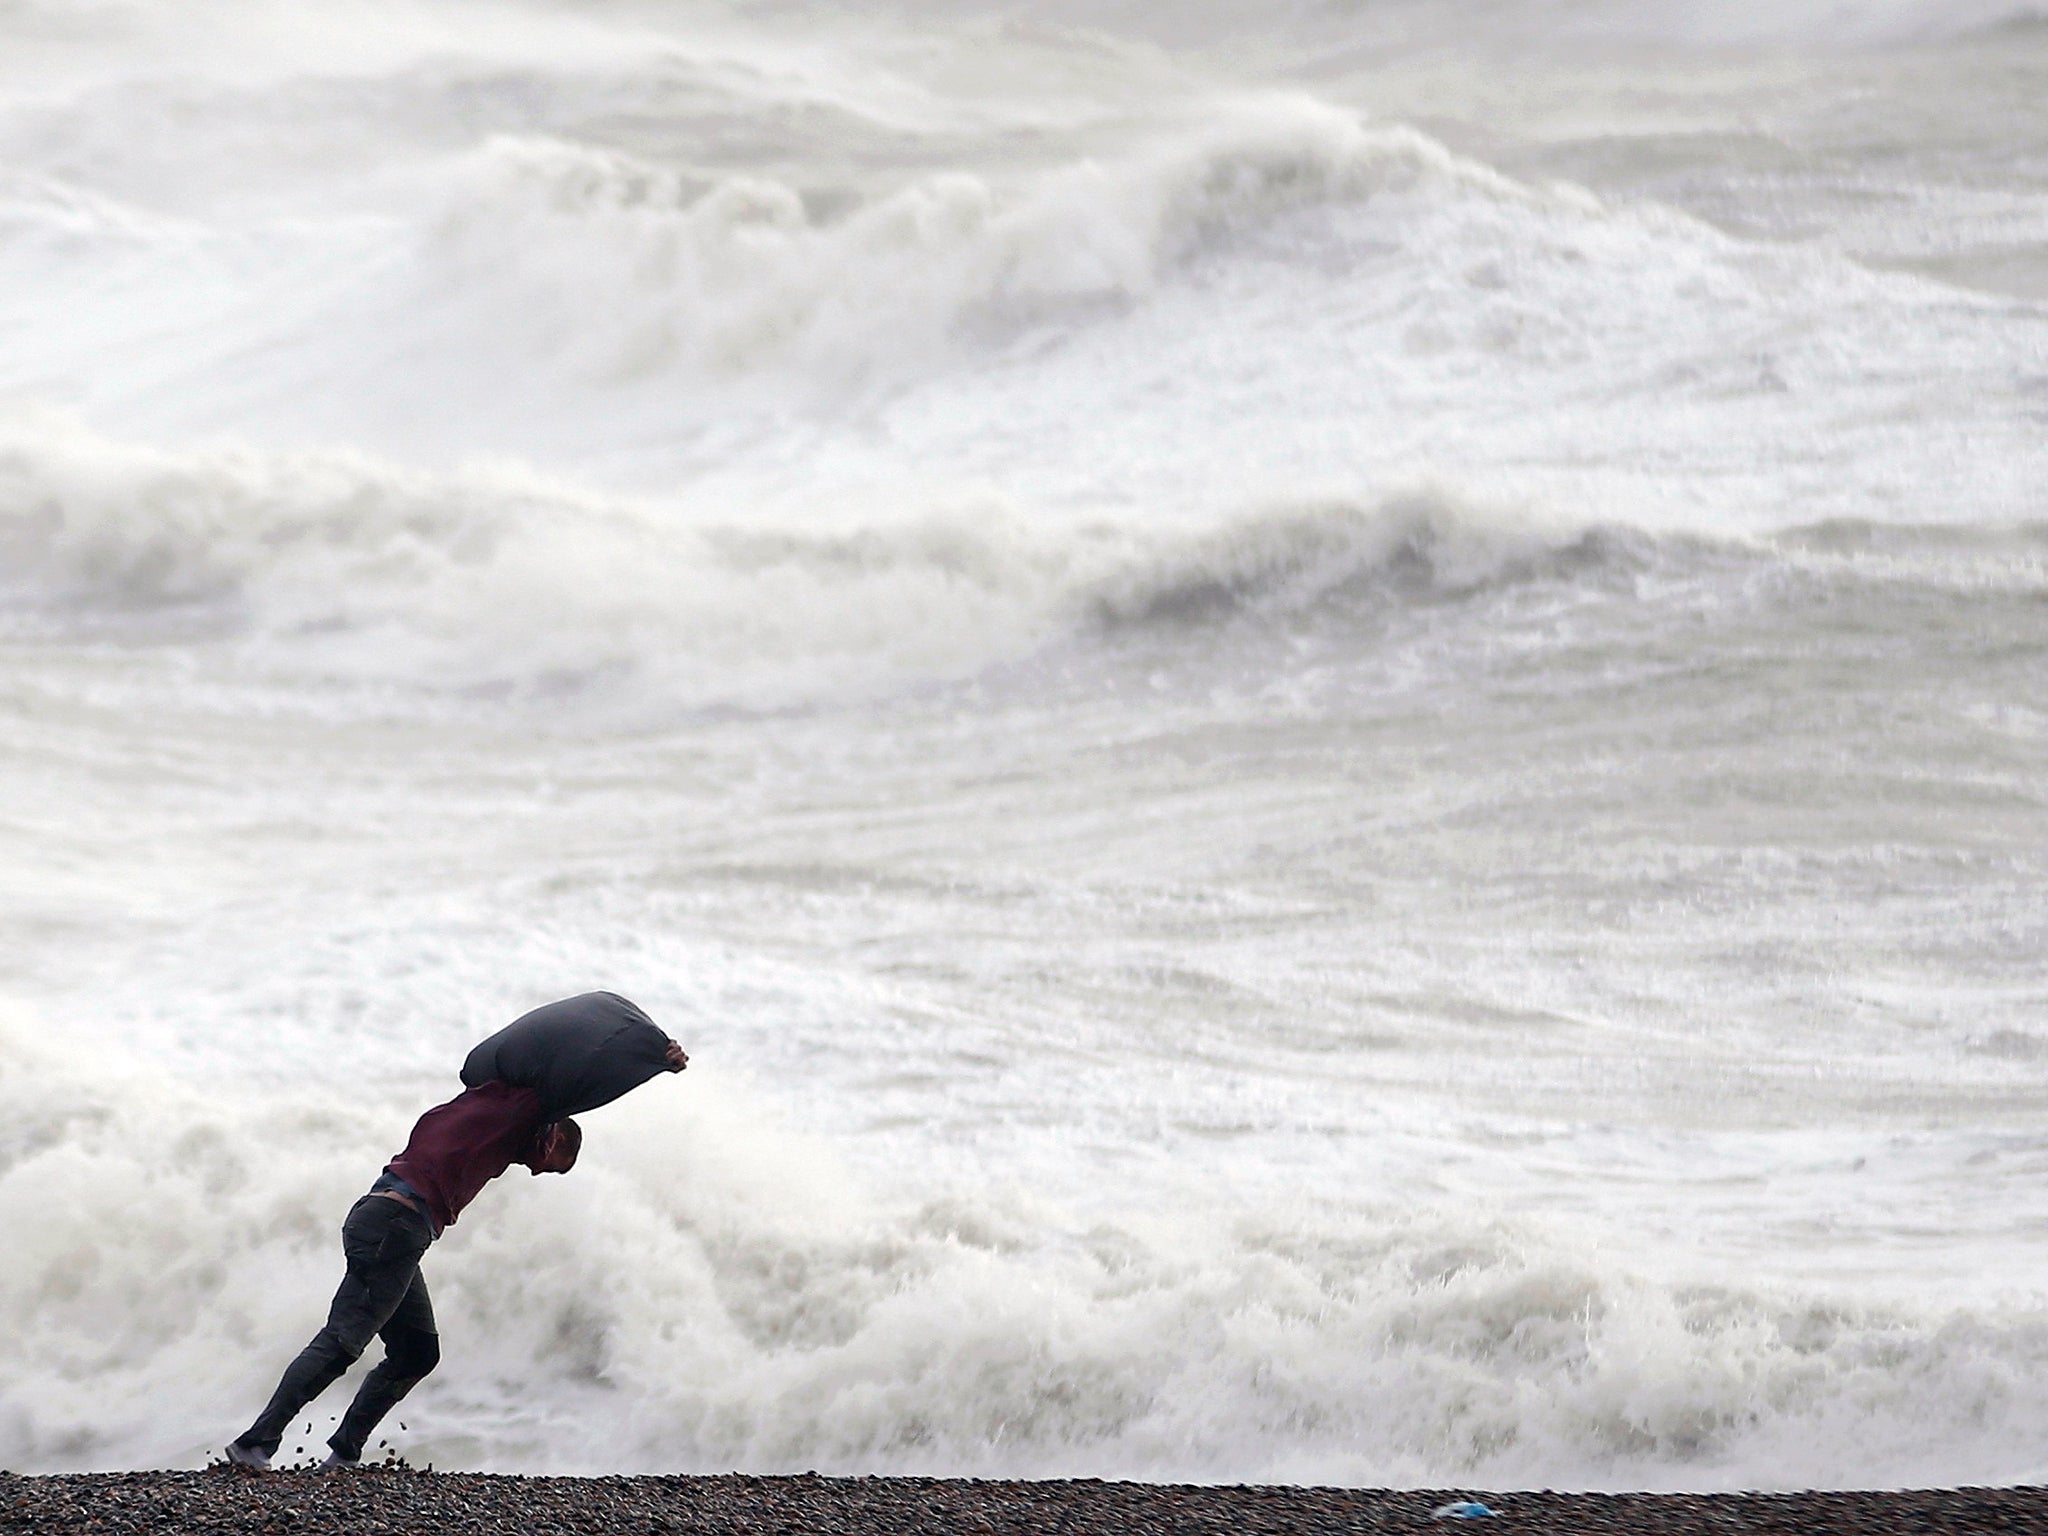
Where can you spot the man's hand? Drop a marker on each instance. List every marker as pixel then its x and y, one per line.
pixel 676 1059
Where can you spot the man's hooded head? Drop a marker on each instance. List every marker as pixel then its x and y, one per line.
pixel 555 1146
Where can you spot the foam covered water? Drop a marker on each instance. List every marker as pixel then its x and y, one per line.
pixel 1326 725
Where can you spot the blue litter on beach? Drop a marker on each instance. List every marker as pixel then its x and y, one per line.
pixel 1465 1509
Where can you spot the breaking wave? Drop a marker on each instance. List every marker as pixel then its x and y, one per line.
pixel 716 1291
pixel 338 567
pixel 619 268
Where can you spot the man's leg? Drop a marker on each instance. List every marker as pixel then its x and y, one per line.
pixel 412 1348
pixel 382 1242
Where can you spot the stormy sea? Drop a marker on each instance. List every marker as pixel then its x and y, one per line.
pixel 1327 720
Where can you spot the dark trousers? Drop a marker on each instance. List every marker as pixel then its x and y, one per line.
pixel 381 1294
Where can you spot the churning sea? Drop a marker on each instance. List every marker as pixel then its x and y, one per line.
pixel 1327 720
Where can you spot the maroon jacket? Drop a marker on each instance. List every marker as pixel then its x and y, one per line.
pixel 459 1147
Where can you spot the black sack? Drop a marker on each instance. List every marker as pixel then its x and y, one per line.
pixel 576 1054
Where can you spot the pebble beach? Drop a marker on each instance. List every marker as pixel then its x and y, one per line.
pixel 386 1502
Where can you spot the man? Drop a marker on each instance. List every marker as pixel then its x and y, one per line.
pixel 520 1087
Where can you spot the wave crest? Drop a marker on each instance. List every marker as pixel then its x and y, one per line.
pixel 626 268
pixel 325 566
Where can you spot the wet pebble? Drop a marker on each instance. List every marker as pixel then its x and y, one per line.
pixel 384 1501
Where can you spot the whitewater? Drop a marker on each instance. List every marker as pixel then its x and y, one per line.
pixel 1327 723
